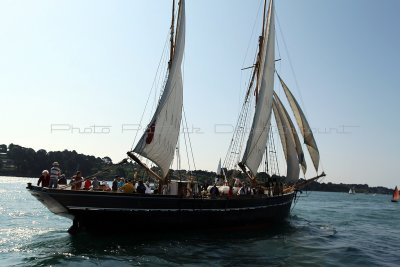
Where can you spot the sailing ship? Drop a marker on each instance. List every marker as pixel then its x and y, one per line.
pixel 395 197
pixel 174 208
pixel 352 191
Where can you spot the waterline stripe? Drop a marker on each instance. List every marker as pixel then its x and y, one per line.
pixel 175 210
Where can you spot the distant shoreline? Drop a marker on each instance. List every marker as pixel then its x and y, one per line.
pixel 18 161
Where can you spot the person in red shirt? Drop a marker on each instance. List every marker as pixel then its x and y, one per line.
pixel 230 192
pixel 87 185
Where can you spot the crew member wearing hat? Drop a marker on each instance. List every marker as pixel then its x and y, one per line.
pixel 55 173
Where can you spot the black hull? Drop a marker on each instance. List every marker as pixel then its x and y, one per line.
pixel 93 210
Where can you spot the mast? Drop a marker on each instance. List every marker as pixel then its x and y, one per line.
pixel 256 70
pixel 265 68
pixel 159 141
pixel 260 47
pixel 171 52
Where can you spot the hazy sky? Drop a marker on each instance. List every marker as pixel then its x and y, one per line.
pixel 70 65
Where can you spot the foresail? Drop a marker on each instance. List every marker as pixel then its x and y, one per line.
pixel 288 141
pixel 304 127
pixel 159 141
pixel 281 130
pixel 258 136
pixel 299 149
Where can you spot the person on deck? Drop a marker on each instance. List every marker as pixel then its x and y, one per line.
pixel 77 181
pixel 214 191
pixel 55 173
pixel 44 179
pixel 242 191
pixel 237 183
pixel 115 184
pixel 230 192
pixel 95 184
pixel 103 186
pixel 127 188
pixel 141 189
pixel 148 188
pixel 62 180
pixel 121 182
pixel 87 184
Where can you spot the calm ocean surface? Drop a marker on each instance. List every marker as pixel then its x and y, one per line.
pixel 324 229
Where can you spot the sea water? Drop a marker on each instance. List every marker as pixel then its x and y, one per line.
pixel 324 229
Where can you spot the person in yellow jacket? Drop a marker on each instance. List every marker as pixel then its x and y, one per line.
pixel 127 188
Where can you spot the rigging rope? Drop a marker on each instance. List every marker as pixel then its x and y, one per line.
pixel 295 79
pixel 190 142
pixel 151 90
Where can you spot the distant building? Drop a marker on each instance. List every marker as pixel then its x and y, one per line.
pixel 7 164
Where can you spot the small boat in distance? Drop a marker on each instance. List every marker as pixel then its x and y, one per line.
pixel 352 191
pixel 395 197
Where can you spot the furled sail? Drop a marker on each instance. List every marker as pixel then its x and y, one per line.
pixel 287 140
pixel 299 149
pixel 258 136
pixel 159 140
pixel 304 127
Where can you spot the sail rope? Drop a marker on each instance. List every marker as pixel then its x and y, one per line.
pixel 237 142
pixel 272 154
pixel 189 140
pixel 153 87
pixel 250 42
pixel 235 146
pixel 185 124
pixel 291 64
pixel 252 33
pixel 186 149
pixel 295 78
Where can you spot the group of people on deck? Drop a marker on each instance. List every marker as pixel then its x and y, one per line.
pixel 127 186
pixel 272 187
pixel 54 178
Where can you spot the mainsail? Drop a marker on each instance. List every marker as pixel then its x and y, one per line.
pixel 258 136
pixel 302 122
pixel 159 141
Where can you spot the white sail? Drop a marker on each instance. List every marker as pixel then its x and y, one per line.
pixel 159 141
pixel 219 168
pixel 288 142
pixel 281 130
pixel 304 127
pixel 299 149
pixel 258 136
